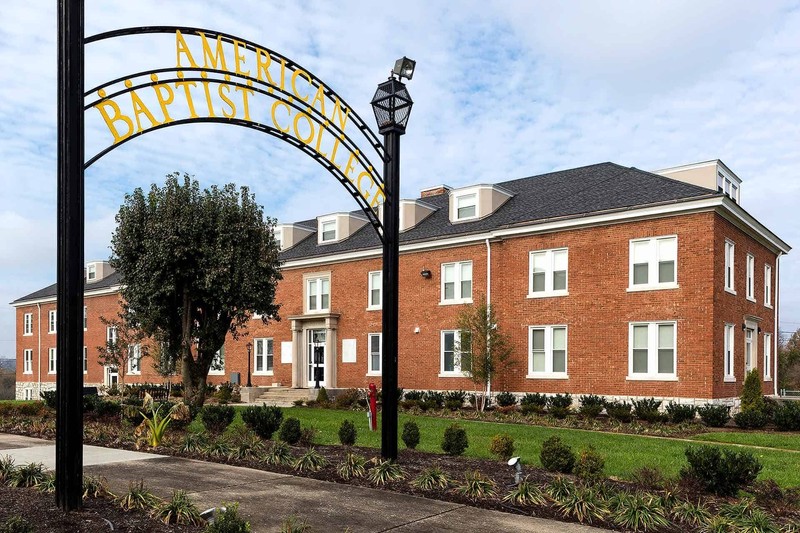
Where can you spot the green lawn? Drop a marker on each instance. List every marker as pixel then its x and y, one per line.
pixel 624 453
pixel 783 441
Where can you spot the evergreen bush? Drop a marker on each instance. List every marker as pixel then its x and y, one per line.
pixel 590 467
pixel 506 399
pixel 721 471
pixel 591 405
pixel 533 403
pixel 787 416
pixel 454 400
pixel 680 413
pixel 227 520
pixel 647 409
pixel 714 416
pixel 264 420
pixel 455 440
pixel 559 405
pixel 290 431
pixel 620 411
pixel 347 433
pixel 750 419
pixel 347 399
pixel 556 456
pixel 322 397
pixel 502 446
pixel 410 434
pixel 217 417
pixel 752 397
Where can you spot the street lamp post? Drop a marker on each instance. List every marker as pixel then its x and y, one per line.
pixel 392 107
pixel 249 351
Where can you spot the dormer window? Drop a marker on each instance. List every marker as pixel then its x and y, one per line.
pixel 328 230
pixel 91 272
pixel 466 206
pixel 727 185
pixel 278 238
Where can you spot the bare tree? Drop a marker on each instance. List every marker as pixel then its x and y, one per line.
pixel 124 350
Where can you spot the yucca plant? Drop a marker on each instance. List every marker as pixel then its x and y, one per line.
pixel 218 448
pixel 7 468
pixel 194 442
pixel 756 521
pixel 639 512
pixel 560 488
pixel 178 510
pixel 279 454
pixel 245 444
pixel 28 475
pixel 432 478
pixel 718 524
pixel 353 466
pixel 47 485
pixel 311 461
pixel 156 423
pixel 385 471
pixel 526 493
pixel 295 524
pixel 690 514
pixel 138 497
pixel 583 504
pixel 737 510
pixel 96 487
pixel 476 486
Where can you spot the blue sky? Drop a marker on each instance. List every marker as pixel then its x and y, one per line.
pixel 502 90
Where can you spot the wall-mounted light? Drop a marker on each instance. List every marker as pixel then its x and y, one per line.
pixel 416 329
pixel 759 330
pixel 744 326
pixel 426 273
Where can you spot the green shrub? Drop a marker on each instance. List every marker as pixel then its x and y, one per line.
pixel 722 472
pixel 434 399
pixel 224 393
pixel 752 396
pixel 410 434
pixel 308 436
pixel 647 409
pixel 591 405
pixel 347 399
pixel 432 478
pixel 477 486
pixel 264 420
pixel 559 405
pixel 347 433
pixel 502 446
pixel 353 466
pixel 454 400
pixel 311 461
pixel 49 398
pixel 750 419
pixel 103 408
pixel 533 403
pixel 786 416
pixel 590 467
pixel 455 440
pixel 217 417
pixel 178 510
pixel 414 395
pixel 385 471
pixel 620 411
pixel 322 397
pixel 227 520
pixel 639 512
pixel 506 399
pixel 678 413
pixel 714 416
pixel 290 431
pixel 16 524
pixel 556 456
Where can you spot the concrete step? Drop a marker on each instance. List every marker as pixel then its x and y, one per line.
pixel 284 396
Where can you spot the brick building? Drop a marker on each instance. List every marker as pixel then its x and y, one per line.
pixel 609 280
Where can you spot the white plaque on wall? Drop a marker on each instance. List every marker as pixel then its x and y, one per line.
pixel 348 350
pixel 286 352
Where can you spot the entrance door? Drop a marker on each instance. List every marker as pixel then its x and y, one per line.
pixel 748 350
pixel 316 357
pixel 112 377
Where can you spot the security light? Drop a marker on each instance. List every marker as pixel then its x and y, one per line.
pixel 404 68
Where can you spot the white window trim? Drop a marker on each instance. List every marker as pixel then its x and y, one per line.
pixel 322 224
pixel 474 196
pixel 27 324
pixel 265 343
pixel 85 318
pixel 307 279
pixel 52 322
pixel 137 354
pixel 652 265
pixel 27 393
pixel 750 278
pixel 370 371
pixel 767 357
pixel 652 351
pixel 91 272
pixel 729 343
pixel 456 372
pixel 768 286
pixel 85 362
pixel 730 255
pixel 548 274
pixel 548 353
pixel 111 334
pixel 52 361
pixel 220 372
pixel 458 298
pixel 370 288
pixel 27 361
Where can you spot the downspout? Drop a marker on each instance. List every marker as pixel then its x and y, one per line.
pixel 488 301
pixel 775 357
pixel 39 351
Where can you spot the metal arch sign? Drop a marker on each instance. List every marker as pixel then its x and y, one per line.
pixel 220 78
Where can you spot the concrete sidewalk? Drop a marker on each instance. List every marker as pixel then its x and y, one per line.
pixel 267 498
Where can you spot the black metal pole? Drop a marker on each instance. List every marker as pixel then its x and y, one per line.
pixel 391 256
pixel 69 344
pixel 248 365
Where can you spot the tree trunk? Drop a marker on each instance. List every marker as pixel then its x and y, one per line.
pixel 194 383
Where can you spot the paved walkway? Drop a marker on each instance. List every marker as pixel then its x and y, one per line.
pixel 267 498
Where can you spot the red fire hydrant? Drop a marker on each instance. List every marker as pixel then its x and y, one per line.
pixel 372 414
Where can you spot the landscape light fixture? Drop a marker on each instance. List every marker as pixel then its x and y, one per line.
pixel 404 68
pixel 426 273
pixel 392 103
pixel 515 463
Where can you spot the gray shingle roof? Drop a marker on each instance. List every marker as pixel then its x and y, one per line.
pixel 563 194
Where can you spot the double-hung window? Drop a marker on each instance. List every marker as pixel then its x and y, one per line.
pixel 27 361
pixel 51 322
pixel 457 282
pixel 91 272
pixel 111 335
pixel 730 249
pixel 547 273
pixel 85 318
pixel 652 351
pixel 134 359
pixel 374 344
pixel 751 271
pixel 218 363
pixel 767 357
pixel 51 361
pixel 466 206
pixel 375 285
pixel 767 285
pixel 548 352
pixel 27 324
pixel 728 343
pixel 328 230
pixel 318 294
pixel 653 263
pixel 85 360
pixel 263 353
pixel 455 354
